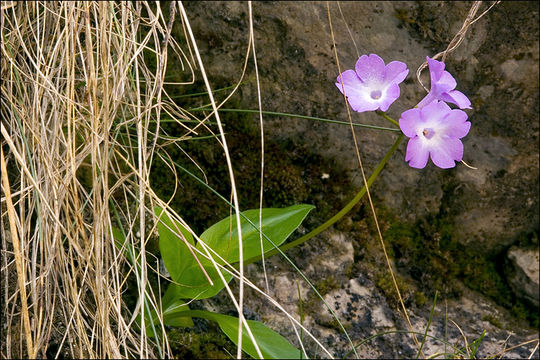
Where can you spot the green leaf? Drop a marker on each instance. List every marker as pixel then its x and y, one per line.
pixel 170 316
pixel 183 268
pixel 171 311
pixel 277 224
pixel 271 344
pixel 194 285
pixel 190 280
pixel 174 251
pixel 171 305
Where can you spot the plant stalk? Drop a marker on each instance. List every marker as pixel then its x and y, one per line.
pixel 340 214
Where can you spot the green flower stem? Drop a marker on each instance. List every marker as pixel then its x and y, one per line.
pixel 205 108
pixel 275 248
pixel 383 114
pixel 345 209
pixel 340 214
pixel 203 93
pixel 316 231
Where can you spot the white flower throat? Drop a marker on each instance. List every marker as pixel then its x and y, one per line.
pixel 428 133
pixel 376 94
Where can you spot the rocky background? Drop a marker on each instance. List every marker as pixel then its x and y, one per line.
pixel 469 235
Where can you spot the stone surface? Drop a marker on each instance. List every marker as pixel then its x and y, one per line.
pixel 367 315
pixel 525 277
pixel 488 209
pixel 498 69
pixel 365 312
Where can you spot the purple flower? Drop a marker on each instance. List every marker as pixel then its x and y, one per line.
pixel 442 87
pixel 372 85
pixel 434 131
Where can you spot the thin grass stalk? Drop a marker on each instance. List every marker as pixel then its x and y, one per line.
pixel 238 304
pixel 69 78
pixel 18 258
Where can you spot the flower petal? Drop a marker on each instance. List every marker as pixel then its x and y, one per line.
pixel 435 112
pixel 361 106
pixel 370 68
pixel 395 72
pixel 355 90
pixel 445 83
pixel 350 80
pixel 458 98
pixel 457 125
pixel 447 152
pixel 436 69
pixel 428 99
pixel 391 94
pixel 417 154
pixel 410 122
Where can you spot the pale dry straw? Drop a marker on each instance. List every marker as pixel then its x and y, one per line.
pixel 75 86
pixel 81 107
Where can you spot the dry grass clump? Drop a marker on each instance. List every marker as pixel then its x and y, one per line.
pixel 78 101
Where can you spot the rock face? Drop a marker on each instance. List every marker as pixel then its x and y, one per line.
pixel 496 66
pixel 365 312
pixel 487 209
pixel 525 277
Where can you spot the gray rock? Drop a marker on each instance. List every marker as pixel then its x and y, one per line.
pixel 489 208
pixel 498 70
pixel 364 312
pixel 525 277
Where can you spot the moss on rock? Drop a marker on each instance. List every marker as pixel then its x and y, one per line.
pixel 427 252
pixel 197 343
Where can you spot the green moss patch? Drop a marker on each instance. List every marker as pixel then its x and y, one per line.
pixel 207 343
pixel 426 252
